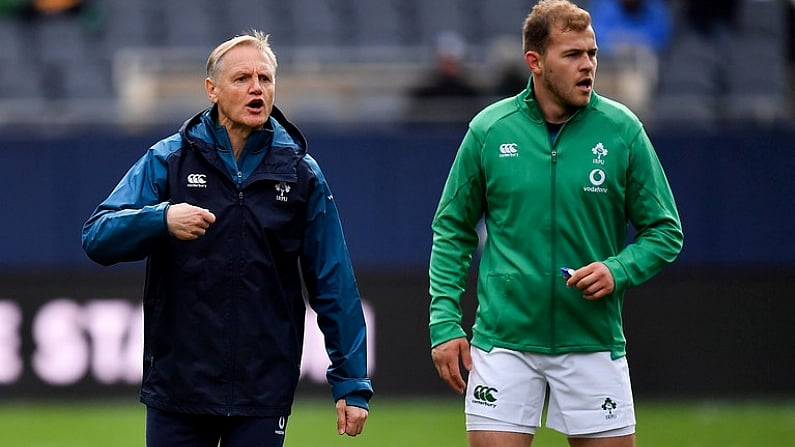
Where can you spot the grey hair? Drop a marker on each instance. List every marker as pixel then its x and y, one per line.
pixel 253 38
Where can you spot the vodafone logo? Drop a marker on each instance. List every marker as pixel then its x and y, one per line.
pixel 197 181
pixel 597 177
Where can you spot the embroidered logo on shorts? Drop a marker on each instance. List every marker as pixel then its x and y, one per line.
pixel 609 406
pixel 484 395
pixel 282 424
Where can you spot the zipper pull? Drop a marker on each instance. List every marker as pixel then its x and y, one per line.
pixel 554 156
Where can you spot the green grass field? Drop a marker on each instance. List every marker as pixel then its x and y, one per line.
pixel 405 423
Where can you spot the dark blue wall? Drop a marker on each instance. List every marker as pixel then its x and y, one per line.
pixel 717 323
pixel 733 189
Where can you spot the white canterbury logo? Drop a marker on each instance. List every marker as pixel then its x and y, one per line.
pixel 508 150
pixel 197 181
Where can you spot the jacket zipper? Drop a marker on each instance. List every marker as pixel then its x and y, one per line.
pixel 554 229
pixel 553 239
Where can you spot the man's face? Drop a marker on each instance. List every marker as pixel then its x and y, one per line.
pixel 244 90
pixel 568 69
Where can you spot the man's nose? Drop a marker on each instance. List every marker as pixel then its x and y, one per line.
pixel 587 63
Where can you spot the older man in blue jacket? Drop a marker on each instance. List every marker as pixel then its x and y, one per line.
pixel 234 218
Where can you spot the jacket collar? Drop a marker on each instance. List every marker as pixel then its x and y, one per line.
pixel 282 132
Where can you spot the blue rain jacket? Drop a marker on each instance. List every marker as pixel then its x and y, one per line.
pixel 224 314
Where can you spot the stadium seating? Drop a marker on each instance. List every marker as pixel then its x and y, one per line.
pixel 342 60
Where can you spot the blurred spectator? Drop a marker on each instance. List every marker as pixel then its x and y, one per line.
pixel 45 8
pixel 83 12
pixel 11 7
pixel 448 79
pixel 625 24
pixel 512 80
pixel 512 72
pixel 631 35
pixel 447 94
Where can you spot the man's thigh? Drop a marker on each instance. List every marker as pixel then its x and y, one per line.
pixel 616 441
pixel 498 439
pixel 504 393
pixel 255 432
pixel 169 429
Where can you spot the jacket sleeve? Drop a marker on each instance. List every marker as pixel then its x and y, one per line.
pixel 652 211
pixel 455 238
pixel 126 224
pixel 333 294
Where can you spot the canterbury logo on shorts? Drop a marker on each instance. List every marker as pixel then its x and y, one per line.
pixel 485 393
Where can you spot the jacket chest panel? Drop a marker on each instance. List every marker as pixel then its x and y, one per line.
pixel 264 202
pixel 526 171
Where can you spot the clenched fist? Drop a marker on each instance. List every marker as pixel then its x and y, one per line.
pixel 188 222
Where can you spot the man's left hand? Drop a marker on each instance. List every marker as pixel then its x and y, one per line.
pixel 350 419
pixel 594 280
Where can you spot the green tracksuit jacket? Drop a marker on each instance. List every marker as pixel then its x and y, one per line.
pixel 547 205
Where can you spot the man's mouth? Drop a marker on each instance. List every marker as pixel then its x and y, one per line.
pixel 256 104
pixel 585 84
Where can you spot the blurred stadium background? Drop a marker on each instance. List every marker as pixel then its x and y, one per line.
pixel 83 93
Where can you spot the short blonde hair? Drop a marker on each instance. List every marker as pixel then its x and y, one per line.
pixel 254 38
pixel 548 13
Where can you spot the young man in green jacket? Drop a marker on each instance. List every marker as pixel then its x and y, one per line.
pixel 557 173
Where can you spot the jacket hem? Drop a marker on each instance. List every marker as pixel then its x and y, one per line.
pixel 217 410
pixel 485 344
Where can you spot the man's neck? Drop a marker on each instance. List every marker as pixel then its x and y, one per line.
pixel 552 111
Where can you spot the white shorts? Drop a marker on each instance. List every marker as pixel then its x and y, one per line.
pixel 589 393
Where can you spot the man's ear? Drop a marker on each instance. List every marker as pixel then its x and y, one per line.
pixel 209 86
pixel 534 61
